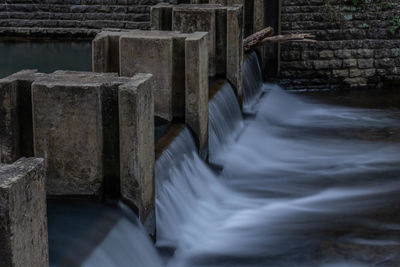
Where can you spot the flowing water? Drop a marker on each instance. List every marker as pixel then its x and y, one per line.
pixel 301 183
pixel 225 121
pixel 92 234
pixel 252 82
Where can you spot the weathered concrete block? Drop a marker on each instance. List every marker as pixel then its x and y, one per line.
pixel 201 18
pixel 175 70
pixel 105 52
pixel 234 49
pixel 151 54
pixel 214 19
pixel 9 126
pixel 16 116
pixel 136 124
pixel 196 114
pixel 248 12
pixel 75 126
pixel 23 219
pixel 161 17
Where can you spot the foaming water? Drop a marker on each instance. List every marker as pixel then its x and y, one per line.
pixel 93 234
pixel 304 184
pixel 252 81
pixel 225 121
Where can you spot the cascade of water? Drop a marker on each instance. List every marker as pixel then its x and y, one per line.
pixel 285 192
pixel 225 121
pixel 92 234
pixel 252 81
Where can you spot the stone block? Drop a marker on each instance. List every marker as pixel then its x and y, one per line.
pixel 326 54
pixel 343 73
pixel 136 135
pixel 234 48
pixel 196 97
pixel 354 73
pixel 365 63
pixel 349 63
pixel 75 129
pixel 23 219
pixel 16 116
pixel 201 18
pixel 355 82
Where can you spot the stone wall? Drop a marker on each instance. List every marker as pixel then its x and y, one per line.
pixel 355 47
pixel 72 17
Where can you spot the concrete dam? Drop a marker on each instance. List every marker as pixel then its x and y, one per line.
pixel 140 134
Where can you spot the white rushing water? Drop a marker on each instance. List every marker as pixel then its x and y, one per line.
pixel 302 185
pixel 225 121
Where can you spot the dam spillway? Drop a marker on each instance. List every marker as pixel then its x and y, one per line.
pixel 174 153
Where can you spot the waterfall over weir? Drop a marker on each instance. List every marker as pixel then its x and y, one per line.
pixel 225 121
pixel 303 184
pixel 252 82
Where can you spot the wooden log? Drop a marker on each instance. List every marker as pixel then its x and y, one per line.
pixel 299 37
pixel 252 40
pixel 265 36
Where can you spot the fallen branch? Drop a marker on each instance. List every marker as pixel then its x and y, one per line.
pixel 298 37
pixel 265 36
pixel 254 39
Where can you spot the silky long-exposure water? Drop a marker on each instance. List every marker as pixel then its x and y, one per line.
pixel 302 184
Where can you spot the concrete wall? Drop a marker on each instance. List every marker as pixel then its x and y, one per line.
pixel 77 17
pixel 355 47
pixel 23 216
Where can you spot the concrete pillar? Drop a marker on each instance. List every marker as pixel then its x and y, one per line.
pixel 161 17
pixel 23 218
pixel 152 53
pixel 75 129
pixel 259 24
pixel 196 108
pixel 105 52
pixel 136 124
pixel 16 116
pixel 177 66
pixel 248 12
pixel 201 18
pixel 9 126
pixel 234 58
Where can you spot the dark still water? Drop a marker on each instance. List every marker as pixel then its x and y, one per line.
pixel 45 56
